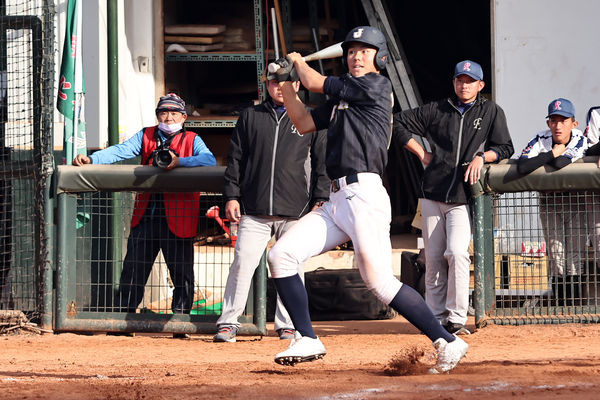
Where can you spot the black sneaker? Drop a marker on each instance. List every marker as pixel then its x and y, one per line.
pixel 128 334
pixel 456 328
pixel 181 336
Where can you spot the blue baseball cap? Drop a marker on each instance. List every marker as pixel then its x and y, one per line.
pixel 562 107
pixel 470 68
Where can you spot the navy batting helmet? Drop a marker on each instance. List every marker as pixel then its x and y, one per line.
pixel 372 37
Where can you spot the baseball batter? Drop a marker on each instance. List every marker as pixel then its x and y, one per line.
pixel 358 117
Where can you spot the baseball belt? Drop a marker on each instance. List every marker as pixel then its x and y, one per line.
pixel 337 184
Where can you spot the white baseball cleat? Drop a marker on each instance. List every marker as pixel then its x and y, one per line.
pixel 302 349
pixel 449 354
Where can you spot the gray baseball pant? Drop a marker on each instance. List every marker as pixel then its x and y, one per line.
pixel 446 235
pixel 253 235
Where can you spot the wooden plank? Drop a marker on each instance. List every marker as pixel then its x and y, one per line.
pixel 178 48
pixel 194 29
pixel 193 39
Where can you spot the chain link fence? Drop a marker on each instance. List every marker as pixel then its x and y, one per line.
pixel 537 241
pixel 26 114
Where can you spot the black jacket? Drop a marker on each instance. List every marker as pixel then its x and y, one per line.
pixel 271 168
pixel 454 138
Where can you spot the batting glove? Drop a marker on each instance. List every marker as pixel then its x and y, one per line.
pixel 286 72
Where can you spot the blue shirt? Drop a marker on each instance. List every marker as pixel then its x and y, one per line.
pixel 133 147
pixel 463 107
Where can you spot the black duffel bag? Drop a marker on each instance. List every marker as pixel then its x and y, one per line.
pixel 341 294
pixel 412 270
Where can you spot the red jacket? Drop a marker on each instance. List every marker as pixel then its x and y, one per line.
pixel 181 209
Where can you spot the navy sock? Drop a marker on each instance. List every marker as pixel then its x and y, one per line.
pixel 293 296
pixel 411 306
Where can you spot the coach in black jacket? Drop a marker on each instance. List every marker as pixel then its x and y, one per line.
pixel 463 131
pixel 274 176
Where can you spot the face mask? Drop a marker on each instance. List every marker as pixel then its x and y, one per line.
pixel 169 128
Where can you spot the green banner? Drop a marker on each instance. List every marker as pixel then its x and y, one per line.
pixel 71 86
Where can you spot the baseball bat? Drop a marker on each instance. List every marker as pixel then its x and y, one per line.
pixel 333 51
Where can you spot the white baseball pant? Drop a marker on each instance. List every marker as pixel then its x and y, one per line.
pixel 359 211
pixel 254 233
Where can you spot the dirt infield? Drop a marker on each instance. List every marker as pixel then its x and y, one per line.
pixel 533 362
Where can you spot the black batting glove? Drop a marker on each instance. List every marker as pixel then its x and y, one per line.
pixel 286 72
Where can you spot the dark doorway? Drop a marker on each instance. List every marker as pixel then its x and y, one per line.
pixel 438 34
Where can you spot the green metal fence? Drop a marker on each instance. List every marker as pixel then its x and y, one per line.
pixel 88 272
pixel 536 243
pixel 26 109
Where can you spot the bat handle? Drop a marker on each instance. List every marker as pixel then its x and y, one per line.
pixel 273 67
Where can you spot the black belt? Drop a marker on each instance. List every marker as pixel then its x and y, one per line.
pixel 336 184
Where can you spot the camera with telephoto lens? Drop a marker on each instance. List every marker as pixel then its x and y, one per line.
pixel 162 158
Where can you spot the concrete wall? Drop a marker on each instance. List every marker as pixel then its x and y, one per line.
pixel 544 49
pixel 136 81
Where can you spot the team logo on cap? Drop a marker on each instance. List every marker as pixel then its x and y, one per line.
pixel 358 33
pixel 467 66
pixel 557 105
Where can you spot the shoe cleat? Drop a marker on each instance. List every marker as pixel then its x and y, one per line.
pixel 449 354
pixel 302 349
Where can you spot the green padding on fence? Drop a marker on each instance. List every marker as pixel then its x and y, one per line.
pixel 503 177
pixel 118 178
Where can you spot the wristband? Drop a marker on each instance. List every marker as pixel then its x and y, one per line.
pixel 480 154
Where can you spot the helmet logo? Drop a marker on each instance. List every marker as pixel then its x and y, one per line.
pixel 557 105
pixel 358 33
pixel 467 66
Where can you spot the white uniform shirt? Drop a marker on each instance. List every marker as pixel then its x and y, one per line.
pixel 542 143
pixel 593 126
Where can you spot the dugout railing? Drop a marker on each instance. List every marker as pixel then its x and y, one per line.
pixel 536 244
pixel 90 201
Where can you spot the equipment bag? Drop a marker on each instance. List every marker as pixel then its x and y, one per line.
pixel 341 294
pixel 412 270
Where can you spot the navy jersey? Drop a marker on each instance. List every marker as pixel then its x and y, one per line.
pixel 358 116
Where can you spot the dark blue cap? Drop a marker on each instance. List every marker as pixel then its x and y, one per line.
pixel 562 107
pixel 372 37
pixel 470 68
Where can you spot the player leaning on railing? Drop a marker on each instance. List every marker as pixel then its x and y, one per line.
pixel 564 214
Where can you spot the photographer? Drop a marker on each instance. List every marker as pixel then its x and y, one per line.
pixel 161 221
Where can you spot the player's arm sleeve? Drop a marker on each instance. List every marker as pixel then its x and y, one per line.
pixel 130 148
pixel 561 161
pixel 236 160
pixel 408 123
pixel 322 114
pixel 575 150
pixel 366 89
pixel 202 156
pixel 499 139
pixel 319 180
pixel 527 165
pixel 594 150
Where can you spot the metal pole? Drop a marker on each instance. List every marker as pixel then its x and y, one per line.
pixel 275 40
pixel 113 71
pixel 260 295
pixel 113 128
pixel 478 255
